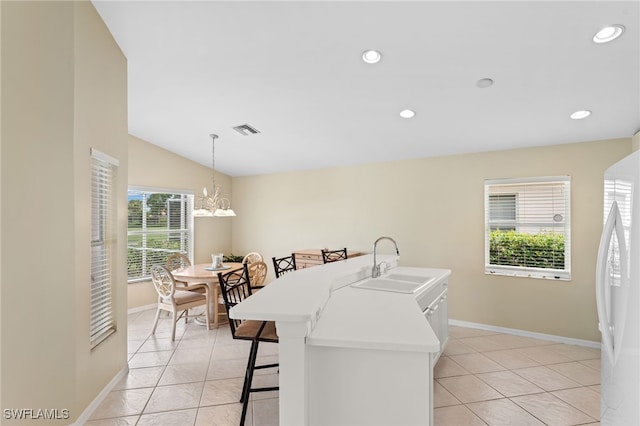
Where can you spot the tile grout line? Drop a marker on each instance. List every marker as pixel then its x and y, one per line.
pixel 506 368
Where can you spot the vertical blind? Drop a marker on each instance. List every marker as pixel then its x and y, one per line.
pixel 103 243
pixel 528 227
pixel 160 223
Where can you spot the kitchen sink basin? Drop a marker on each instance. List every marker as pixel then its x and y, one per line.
pixel 421 279
pixel 386 284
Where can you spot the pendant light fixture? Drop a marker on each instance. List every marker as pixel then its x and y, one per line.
pixel 214 203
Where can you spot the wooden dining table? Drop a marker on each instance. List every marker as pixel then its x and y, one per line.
pixel 204 273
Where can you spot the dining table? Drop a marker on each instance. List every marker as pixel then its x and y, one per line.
pixel 206 273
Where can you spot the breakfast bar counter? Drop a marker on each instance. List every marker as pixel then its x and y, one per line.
pixel 348 354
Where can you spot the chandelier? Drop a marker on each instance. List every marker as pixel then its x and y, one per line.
pixel 214 203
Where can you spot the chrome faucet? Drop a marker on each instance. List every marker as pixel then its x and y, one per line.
pixel 375 271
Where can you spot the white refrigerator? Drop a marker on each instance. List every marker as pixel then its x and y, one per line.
pixel 618 294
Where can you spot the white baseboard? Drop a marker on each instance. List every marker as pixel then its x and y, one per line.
pixel 541 336
pixel 86 414
pixel 141 308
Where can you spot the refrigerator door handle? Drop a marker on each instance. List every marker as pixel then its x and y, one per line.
pixel 612 225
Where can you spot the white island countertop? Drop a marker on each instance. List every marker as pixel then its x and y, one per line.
pixel 342 316
pixel 374 319
pixel 301 295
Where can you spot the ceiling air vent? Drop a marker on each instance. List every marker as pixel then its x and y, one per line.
pixel 246 130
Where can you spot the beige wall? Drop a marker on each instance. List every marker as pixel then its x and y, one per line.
pixel 434 208
pixel 64 91
pixel 155 167
pixel 1 119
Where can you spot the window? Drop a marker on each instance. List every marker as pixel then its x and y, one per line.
pixel 502 212
pixel 527 227
pixel 159 224
pixel 103 244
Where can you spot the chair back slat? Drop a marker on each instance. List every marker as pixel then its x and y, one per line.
pixel 163 281
pixel 284 264
pixel 235 286
pixel 329 256
pixel 177 261
pixel 254 256
pixel 257 274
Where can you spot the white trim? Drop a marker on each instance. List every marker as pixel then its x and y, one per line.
pixel 528 272
pixel 141 308
pixel 158 190
pixel 523 333
pixel 99 155
pixel 516 181
pixel 86 414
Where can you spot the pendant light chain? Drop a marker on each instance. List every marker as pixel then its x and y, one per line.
pixel 213 161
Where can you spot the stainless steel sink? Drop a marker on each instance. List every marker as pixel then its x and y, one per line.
pixel 386 284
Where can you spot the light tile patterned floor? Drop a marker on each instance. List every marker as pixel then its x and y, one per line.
pixel 195 380
pixel 483 378
pixel 488 378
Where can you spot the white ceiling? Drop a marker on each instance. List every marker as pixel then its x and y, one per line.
pixel 294 71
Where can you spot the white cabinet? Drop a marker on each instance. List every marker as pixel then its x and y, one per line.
pixel 364 386
pixel 368 368
pixel 434 305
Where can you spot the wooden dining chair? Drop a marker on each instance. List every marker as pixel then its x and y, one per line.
pixel 177 261
pixel 235 286
pixel 329 256
pixel 176 300
pixel 285 264
pixel 257 274
pixel 254 256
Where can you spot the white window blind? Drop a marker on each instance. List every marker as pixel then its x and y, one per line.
pixel 528 227
pixel 103 243
pixel 160 223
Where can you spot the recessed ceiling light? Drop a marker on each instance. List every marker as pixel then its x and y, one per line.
pixel 371 56
pixel 608 34
pixel 484 83
pixel 579 115
pixel 407 113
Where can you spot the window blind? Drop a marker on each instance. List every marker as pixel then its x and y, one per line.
pixel 103 242
pixel 160 223
pixel 528 227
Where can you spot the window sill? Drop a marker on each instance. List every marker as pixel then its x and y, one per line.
pixel 544 274
pixel 139 280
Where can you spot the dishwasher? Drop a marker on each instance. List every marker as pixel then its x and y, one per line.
pixel 434 305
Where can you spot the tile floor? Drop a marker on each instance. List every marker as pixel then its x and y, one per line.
pixel 483 378
pixel 195 380
pixel 487 378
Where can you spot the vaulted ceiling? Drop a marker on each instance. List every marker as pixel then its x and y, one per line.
pixel 294 71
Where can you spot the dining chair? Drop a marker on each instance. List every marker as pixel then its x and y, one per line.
pixel 284 264
pixel 257 274
pixel 235 286
pixel 254 256
pixel 329 256
pixel 177 261
pixel 176 300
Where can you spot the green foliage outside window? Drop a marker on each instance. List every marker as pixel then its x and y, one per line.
pixel 154 232
pixel 512 248
pixel 158 249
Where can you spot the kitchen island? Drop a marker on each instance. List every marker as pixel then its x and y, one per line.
pixel 351 355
